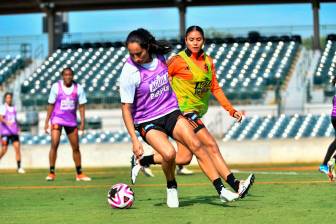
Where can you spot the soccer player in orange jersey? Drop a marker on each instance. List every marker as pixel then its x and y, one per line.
pixel 193 78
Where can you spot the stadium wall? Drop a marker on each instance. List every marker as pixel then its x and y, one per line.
pixel 309 150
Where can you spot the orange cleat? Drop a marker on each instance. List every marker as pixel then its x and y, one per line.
pixel 51 177
pixel 82 177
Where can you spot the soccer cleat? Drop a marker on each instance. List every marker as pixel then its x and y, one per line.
pixel 51 177
pixel 324 169
pixel 184 171
pixel 135 168
pixel 21 170
pixel 147 171
pixel 227 196
pixel 82 177
pixel 172 198
pixel 331 169
pixel 245 185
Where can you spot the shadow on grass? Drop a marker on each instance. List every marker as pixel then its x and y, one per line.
pixel 209 200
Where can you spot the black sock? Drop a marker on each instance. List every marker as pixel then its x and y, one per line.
pixel 147 160
pixel 18 164
pixel 79 169
pixel 52 169
pixel 171 184
pixel 233 182
pixel 218 185
pixel 180 167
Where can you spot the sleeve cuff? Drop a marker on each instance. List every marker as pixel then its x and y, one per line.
pixel 232 111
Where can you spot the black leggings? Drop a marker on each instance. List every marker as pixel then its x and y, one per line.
pixel 332 146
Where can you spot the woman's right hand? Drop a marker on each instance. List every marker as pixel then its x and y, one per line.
pixel 46 127
pixel 137 149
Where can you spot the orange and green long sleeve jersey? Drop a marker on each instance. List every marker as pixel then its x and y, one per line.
pixel 193 78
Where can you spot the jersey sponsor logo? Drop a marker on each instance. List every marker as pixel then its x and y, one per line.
pixel 159 92
pixel 158 86
pixel 10 118
pixel 202 87
pixel 158 82
pixel 68 104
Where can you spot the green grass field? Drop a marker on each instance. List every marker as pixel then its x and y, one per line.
pixel 282 195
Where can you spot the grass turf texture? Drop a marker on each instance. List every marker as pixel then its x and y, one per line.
pixel 278 196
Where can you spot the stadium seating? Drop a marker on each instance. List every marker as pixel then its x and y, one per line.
pixel 286 126
pixel 251 128
pixel 8 67
pixel 91 136
pixel 326 69
pixel 244 70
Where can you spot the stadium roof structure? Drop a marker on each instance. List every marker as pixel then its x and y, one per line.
pixel 36 6
pixel 51 7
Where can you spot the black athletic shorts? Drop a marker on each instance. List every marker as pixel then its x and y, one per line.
pixel 165 124
pixel 333 122
pixel 194 120
pixel 6 139
pixel 68 130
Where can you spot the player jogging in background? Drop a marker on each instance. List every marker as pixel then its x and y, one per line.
pixel 150 107
pixel 9 130
pixel 193 79
pixel 64 98
pixel 328 165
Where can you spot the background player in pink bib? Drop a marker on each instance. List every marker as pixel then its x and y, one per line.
pixel 65 96
pixel 328 164
pixel 9 130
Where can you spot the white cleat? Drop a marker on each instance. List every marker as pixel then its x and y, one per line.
pixel 184 171
pixel 21 170
pixel 331 169
pixel 82 177
pixel 147 171
pixel 172 198
pixel 227 196
pixel 245 185
pixel 135 168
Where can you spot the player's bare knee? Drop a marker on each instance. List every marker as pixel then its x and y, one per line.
pixel 4 150
pixel 169 156
pixel 196 147
pixel 212 147
pixel 76 150
pixel 53 146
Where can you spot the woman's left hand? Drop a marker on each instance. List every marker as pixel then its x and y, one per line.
pixel 238 115
pixel 81 129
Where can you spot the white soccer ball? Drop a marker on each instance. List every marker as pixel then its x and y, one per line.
pixel 120 196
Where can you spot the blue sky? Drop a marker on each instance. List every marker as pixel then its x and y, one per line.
pixel 167 18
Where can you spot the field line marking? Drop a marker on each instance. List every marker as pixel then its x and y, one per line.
pixel 150 185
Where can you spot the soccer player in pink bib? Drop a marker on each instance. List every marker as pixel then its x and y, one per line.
pixel 9 130
pixel 328 165
pixel 150 107
pixel 65 96
pixel 193 79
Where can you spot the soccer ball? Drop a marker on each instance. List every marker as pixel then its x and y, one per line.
pixel 120 196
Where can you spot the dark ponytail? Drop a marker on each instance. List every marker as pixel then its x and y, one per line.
pixel 147 41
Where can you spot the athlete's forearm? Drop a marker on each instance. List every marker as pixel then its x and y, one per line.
pixel 223 101
pixel 82 115
pixel 128 120
pixel 49 110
